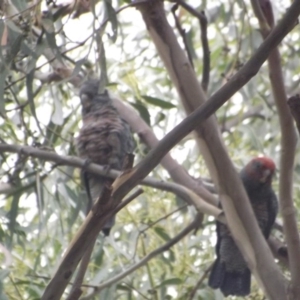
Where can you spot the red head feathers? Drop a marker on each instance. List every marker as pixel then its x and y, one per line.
pixel 259 169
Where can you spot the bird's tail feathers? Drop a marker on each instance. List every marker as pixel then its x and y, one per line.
pixel 108 225
pixel 230 283
pixel 216 275
pixel 236 283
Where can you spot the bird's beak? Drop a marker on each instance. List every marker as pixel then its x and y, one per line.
pixel 85 100
pixel 265 175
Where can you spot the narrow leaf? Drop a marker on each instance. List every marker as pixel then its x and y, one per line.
pixel 141 108
pixel 160 231
pixel 170 281
pixel 111 14
pixel 158 102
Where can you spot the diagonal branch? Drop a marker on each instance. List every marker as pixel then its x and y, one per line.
pixel 177 172
pixel 213 150
pixel 264 13
pixel 197 117
pixel 122 186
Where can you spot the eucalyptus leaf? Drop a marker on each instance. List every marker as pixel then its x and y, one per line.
pixel 170 281
pixel 158 102
pixel 112 16
pixel 142 109
pixel 160 231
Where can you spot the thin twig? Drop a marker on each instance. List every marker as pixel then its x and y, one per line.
pixel 134 195
pixel 163 218
pixel 294 105
pixel 251 113
pixel 153 223
pixel 143 261
pixel 183 34
pixel 206 52
pixel 205 46
pixel 194 290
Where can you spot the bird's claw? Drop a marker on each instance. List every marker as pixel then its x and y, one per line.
pixel 106 168
pixel 86 163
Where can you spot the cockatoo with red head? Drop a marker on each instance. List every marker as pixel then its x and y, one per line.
pixel 230 272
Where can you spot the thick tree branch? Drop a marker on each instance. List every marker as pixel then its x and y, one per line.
pixel 214 152
pixel 175 170
pixel 288 147
pixel 76 290
pixel 97 218
pixel 203 206
pixel 222 95
pixel 121 187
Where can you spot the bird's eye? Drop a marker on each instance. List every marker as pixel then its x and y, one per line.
pixel 258 165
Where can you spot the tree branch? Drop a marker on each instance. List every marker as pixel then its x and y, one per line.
pixel 205 46
pixel 199 282
pixel 97 218
pixel 143 261
pixel 288 146
pixel 279 250
pixel 125 184
pixel 177 172
pixel 203 206
pixel 294 105
pixel 182 33
pixel 214 152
